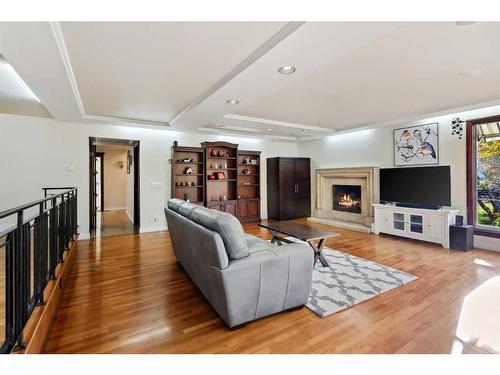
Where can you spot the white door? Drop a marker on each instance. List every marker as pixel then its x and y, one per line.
pixel 382 220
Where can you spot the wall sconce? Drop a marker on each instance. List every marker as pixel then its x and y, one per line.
pixel 121 164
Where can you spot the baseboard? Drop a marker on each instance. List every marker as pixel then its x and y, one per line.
pixel 156 228
pixel 130 216
pixel 487 243
pixel 84 236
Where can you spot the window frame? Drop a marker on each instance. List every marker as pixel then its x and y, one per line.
pixel 471 177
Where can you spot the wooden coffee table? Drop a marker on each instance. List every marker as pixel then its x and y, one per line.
pixel 302 232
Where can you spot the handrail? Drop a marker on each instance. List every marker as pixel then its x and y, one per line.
pixel 23 207
pixel 34 246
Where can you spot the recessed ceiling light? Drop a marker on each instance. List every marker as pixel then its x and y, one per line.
pixel 305 130
pixel 232 101
pixel 287 69
pixel 269 129
pixel 464 23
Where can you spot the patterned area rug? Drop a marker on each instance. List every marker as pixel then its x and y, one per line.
pixel 350 280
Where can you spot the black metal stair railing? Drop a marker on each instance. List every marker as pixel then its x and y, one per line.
pixel 32 248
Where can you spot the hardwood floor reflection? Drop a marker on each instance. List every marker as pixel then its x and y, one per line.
pixel 127 294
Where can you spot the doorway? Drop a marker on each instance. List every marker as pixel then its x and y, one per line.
pixel 114 187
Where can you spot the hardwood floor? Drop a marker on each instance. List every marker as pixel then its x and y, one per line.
pixel 127 294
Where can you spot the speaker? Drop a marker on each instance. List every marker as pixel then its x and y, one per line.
pixel 462 237
pixel 459 220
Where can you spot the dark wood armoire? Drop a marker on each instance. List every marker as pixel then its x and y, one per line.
pixel 288 188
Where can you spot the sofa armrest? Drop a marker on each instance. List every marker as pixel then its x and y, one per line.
pixel 267 282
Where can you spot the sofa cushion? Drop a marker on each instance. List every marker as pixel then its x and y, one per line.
pixel 255 243
pixel 228 227
pixel 175 203
pixel 186 209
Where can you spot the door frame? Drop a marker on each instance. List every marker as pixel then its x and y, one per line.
pixel 137 185
pixel 101 155
pixel 92 206
pixel 93 141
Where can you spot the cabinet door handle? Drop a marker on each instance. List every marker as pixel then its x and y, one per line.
pixel 297 187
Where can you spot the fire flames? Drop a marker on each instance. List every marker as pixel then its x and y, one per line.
pixel 346 200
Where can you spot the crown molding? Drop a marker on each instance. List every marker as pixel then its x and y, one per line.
pixel 228 132
pixel 61 45
pixel 277 123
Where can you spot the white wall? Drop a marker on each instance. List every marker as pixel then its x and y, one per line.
pixel 374 147
pixel 35 151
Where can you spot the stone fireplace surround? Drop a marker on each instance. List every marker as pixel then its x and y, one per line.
pixel 366 177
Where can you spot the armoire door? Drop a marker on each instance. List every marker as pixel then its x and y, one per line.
pixel 287 187
pixel 302 187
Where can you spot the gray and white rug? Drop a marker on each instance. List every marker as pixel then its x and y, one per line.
pixel 350 280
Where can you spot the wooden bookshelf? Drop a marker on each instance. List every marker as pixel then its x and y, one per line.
pixel 221 176
pixel 235 187
pixel 188 185
pixel 248 185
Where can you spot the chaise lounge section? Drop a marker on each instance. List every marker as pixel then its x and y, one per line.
pixel 242 276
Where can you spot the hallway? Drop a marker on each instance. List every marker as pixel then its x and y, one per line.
pixel 112 223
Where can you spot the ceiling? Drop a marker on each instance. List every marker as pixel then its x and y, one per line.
pixel 181 74
pixel 15 96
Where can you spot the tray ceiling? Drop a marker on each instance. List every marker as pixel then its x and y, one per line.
pixel 348 74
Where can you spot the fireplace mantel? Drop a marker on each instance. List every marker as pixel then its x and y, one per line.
pixel 365 177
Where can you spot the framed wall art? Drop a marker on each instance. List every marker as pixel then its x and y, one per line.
pixel 416 145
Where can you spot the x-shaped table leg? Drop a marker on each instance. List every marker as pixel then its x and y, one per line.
pixel 317 252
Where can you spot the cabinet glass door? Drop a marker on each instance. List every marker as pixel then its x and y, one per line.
pixel 398 221
pixel 416 224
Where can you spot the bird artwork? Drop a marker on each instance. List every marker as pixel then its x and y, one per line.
pixel 427 149
pixel 416 145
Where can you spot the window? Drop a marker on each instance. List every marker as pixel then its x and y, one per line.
pixel 483 172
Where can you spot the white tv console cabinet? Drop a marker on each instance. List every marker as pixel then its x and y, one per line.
pixel 417 223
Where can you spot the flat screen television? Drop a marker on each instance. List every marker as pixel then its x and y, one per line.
pixel 426 187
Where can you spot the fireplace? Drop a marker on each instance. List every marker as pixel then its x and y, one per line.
pixel 325 212
pixel 347 198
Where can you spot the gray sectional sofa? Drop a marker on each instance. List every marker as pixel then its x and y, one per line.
pixel 242 276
